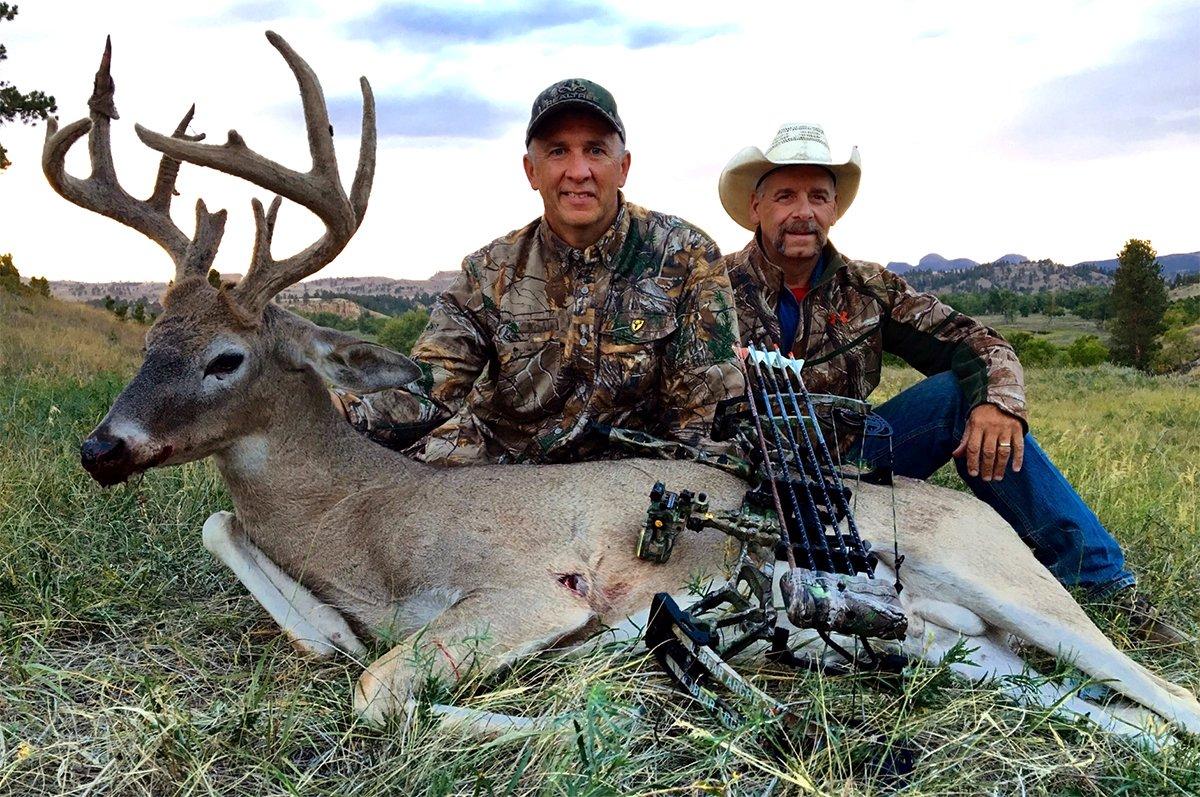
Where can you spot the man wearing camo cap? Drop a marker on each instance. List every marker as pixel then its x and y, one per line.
pixel 599 313
pixel 795 289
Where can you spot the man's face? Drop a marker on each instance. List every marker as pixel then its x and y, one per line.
pixel 577 162
pixel 795 206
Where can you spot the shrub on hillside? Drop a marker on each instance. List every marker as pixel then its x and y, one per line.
pixel 1086 351
pixel 1179 347
pixel 370 324
pixel 324 318
pixel 1183 312
pixel 401 333
pixel 10 279
pixel 1032 351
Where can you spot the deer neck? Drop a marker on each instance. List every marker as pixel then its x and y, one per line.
pixel 303 458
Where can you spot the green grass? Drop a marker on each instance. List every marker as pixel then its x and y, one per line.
pixel 1060 330
pixel 132 663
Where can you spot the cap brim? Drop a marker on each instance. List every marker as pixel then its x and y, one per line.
pixel 571 105
pixel 741 175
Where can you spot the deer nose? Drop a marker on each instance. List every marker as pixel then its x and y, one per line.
pixel 104 457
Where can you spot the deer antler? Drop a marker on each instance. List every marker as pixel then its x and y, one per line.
pixel 319 189
pixel 102 193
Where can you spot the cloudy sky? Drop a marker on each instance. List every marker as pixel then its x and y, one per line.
pixel 1050 129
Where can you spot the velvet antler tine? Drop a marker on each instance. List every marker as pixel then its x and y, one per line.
pixel 312 98
pixel 260 258
pixel 101 192
pixel 360 190
pixel 102 109
pixel 202 250
pixel 168 167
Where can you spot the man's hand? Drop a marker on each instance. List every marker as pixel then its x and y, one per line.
pixel 991 437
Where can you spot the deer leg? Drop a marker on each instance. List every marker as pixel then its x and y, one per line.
pixel 480 634
pixel 314 627
pixel 1094 653
pixel 991 658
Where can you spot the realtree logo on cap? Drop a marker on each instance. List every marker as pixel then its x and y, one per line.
pixel 574 93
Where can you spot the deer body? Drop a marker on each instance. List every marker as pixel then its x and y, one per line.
pixel 394 546
pixel 340 538
pixel 332 494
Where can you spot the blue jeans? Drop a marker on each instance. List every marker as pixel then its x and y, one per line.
pixel 927 423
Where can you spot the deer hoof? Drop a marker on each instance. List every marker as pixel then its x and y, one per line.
pixel 378 696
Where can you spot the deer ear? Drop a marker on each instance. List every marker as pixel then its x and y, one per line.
pixel 357 365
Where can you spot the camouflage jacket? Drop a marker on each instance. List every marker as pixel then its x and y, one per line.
pixel 859 310
pixel 535 340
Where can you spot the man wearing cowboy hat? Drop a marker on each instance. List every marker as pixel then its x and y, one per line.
pixel 597 314
pixel 794 289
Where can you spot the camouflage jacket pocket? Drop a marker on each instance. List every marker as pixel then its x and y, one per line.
pixel 632 330
pixel 631 349
pixel 522 336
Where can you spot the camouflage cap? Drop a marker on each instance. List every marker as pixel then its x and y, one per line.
pixel 574 93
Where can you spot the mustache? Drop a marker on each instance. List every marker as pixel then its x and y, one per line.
pixel 800 227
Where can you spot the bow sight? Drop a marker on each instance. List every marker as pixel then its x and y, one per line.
pixel 829 585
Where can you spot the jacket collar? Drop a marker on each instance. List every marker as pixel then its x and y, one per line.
pixel 604 250
pixel 770 276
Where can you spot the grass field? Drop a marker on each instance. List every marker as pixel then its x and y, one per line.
pixel 132 663
pixel 1060 330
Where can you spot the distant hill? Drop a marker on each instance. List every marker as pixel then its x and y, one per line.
pixel 1187 263
pixel 935 262
pixel 151 292
pixel 344 308
pixel 1011 259
pixel 94 292
pixel 1024 277
pixel 375 286
pixel 928 274
pixel 1185 291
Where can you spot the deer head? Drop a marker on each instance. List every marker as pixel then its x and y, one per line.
pixel 215 357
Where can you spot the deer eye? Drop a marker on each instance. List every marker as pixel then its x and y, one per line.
pixel 224 364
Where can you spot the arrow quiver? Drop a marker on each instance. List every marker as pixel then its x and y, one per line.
pixel 798 514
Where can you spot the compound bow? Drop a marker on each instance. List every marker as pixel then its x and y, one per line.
pixel 799 512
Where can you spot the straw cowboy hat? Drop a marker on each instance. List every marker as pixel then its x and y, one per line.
pixel 794 145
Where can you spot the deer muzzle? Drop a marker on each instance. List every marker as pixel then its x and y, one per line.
pixel 106 458
pixel 109 460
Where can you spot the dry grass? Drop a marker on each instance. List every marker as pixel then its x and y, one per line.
pixel 132 663
pixel 45 338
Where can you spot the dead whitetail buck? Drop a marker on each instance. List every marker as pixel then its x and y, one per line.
pixel 339 538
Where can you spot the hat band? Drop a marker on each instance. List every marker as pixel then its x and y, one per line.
pixel 826 169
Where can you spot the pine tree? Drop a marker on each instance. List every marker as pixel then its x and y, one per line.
pixel 1139 300
pixel 30 107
